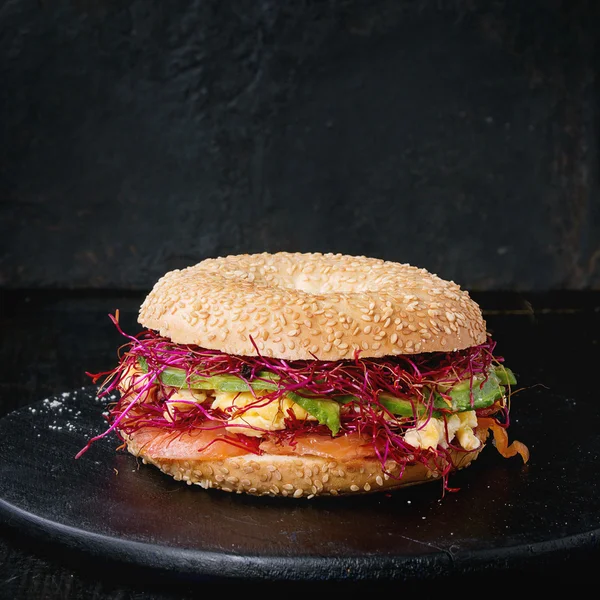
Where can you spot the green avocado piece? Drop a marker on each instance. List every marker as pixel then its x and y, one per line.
pixel 459 395
pixel 174 377
pixel 462 397
pixel 401 407
pixel 505 375
pixel 326 411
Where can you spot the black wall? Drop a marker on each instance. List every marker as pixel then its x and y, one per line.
pixel 141 136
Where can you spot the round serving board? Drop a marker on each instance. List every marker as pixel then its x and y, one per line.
pixel 108 504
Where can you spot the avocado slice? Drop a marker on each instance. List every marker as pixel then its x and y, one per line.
pixel 505 375
pixel 178 378
pixel 459 395
pixel 326 411
pixel 464 397
pixel 400 407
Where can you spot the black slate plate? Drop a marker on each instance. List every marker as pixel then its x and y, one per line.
pixel 107 505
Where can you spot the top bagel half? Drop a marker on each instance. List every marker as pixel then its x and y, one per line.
pixel 312 306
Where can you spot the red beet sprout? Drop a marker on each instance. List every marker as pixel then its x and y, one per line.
pixel 357 383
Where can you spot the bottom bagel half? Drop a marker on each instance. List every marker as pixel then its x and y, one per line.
pixel 297 475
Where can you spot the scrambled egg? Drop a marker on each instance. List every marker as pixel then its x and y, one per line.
pixel 429 433
pixel 180 399
pixel 181 396
pixel 262 415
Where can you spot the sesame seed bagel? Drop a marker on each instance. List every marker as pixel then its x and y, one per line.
pixel 297 476
pixel 312 306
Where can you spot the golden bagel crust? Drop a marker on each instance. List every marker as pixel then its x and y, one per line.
pixel 296 476
pixel 312 306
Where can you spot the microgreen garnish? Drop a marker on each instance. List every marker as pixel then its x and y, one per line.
pixel 365 388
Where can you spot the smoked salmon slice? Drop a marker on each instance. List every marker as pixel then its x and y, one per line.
pixel 197 444
pixel 344 447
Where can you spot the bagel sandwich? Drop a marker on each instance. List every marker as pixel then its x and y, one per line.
pixel 308 374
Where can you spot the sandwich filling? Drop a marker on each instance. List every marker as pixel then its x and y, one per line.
pixel 192 403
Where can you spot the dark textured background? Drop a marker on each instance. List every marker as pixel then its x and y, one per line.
pixel 138 136
pixel 144 135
